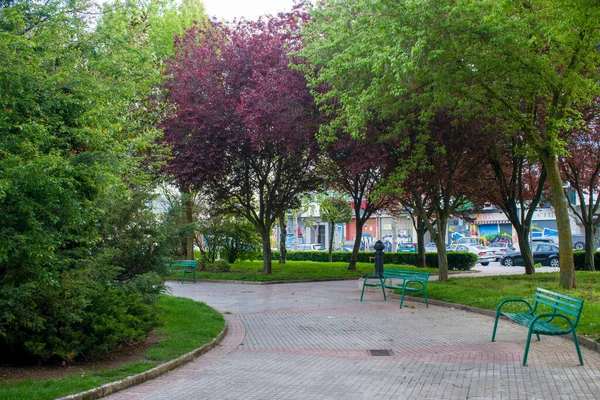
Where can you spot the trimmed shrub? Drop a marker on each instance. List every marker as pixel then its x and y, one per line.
pixel 579 259
pixel 456 260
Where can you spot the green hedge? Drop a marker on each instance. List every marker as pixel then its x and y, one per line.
pixel 456 260
pixel 579 259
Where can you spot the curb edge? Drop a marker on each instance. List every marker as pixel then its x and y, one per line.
pixel 160 369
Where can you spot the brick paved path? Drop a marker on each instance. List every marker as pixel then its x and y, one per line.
pixel 311 341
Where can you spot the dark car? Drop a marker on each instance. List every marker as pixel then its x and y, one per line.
pixel 579 242
pixel 543 253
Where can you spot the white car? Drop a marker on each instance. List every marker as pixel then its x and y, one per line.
pixel 430 248
pixel 501 249
pixel 311 247
pixel 484 254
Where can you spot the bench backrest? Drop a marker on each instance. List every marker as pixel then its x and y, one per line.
pixel 560 303
pixel 401 273
pixel 183 263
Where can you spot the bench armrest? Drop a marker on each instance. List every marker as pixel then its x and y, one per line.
pixel 503 302
pixel 417 280
pixel 551 316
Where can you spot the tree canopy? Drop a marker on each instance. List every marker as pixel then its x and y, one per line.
pixel 245 123
pixel 531 65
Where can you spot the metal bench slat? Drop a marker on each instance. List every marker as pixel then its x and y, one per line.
pixel 565 296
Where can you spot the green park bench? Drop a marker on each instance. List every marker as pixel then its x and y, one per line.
pixel 407 281
pixel 188 267
pixel 542 316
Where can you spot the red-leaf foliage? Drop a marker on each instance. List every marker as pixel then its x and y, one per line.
pixel 581 169
pixel 356 167
pixel 447 175
pixel 246 123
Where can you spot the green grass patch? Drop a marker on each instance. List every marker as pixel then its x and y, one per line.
pixel 53 388
pixel 293 271
pixel 487 292
pixel 187 325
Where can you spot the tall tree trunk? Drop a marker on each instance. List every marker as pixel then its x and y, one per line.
pixel 282 238
pixel 589 264
pixel 440 243
pixel 356 248
pixel 421 255
pixel 267 254
pixel 525 249
pixel 188 210
pixel 331 232
pixel 394 235
pixel 563 223
pixel 295 227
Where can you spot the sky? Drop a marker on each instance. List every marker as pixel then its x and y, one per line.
pixel 250 9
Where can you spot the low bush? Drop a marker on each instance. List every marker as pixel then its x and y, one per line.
pixel 221 266
pixel 456 260
pixel 579 259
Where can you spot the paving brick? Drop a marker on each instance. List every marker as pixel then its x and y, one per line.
pixel 311 341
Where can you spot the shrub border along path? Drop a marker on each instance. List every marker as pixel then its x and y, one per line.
pixel 113 387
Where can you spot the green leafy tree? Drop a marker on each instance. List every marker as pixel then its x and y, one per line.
pixel 80 249
pixel 529 64
pixel 240 240
pixel 335 210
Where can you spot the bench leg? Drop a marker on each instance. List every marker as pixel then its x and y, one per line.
pixel 382 289
pixel 402 298
pixel 495 327
pixel 363 290
pixel 527 347
pixel 577 347
pixel 183 275
pixel 194 273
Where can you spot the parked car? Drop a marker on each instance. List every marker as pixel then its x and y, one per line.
pixel 311 247
pixel 543 253
pixel 430 248
pixel 501 248
pixel 344 249
pixel 454 247
pixel 484 254
pixel 548 240
pixel 471 241
pixel 579 242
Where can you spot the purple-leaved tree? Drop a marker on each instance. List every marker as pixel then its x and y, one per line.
pixel 245 123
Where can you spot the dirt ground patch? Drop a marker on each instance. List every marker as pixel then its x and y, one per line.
pixel 122 356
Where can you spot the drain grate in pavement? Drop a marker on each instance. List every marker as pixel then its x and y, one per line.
pixel 381 353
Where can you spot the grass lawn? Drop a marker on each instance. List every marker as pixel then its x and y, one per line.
pixel 291 271
pixel 487 292
pixel 187 325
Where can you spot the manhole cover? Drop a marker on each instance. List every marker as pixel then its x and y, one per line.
pixel 381 353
